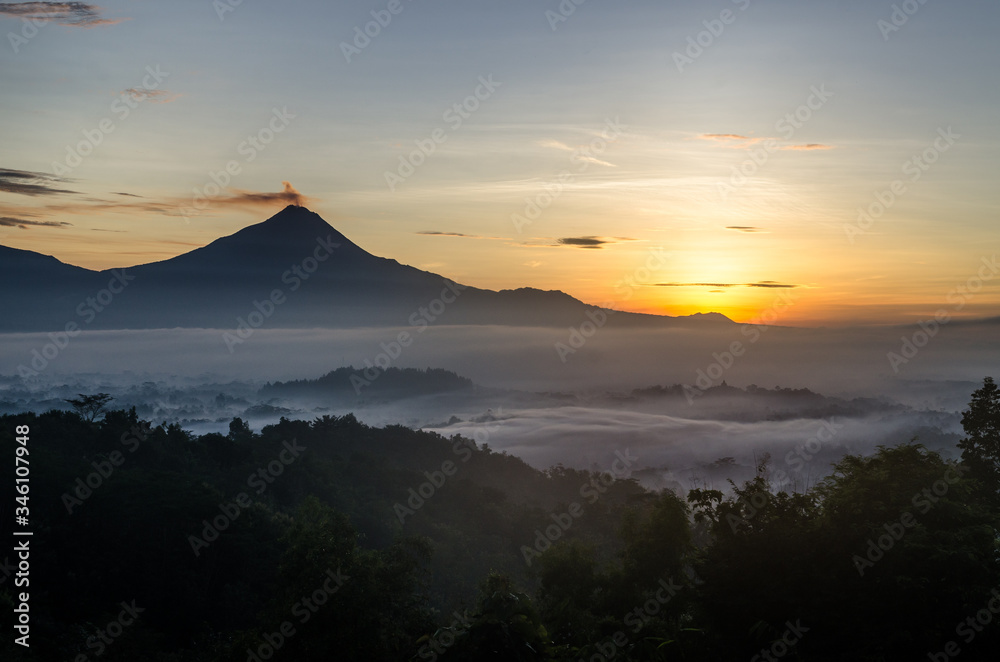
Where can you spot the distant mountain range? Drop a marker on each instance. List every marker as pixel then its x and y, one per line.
pixel 294 270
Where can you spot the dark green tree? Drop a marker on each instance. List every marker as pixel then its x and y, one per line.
pixel 505 628
pixel 90 406
pixel 569 593
pixel 239 431
pixel 902 552
pixel 981 448
pixel 344 601
pixel 656 541
pixel 753 570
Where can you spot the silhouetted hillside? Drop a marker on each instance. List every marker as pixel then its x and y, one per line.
pixel 754 403
pixel 391 382
pixel 293 270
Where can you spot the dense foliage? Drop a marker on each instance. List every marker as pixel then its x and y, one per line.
pixel 333 539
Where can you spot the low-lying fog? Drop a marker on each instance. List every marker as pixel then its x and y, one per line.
pixel 528 401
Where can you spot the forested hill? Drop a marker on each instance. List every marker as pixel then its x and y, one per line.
pixel 348 382
pixel 332 538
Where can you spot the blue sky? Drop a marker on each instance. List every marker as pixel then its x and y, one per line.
pixel 661 182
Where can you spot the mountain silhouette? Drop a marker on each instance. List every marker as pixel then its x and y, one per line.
pixel 293 270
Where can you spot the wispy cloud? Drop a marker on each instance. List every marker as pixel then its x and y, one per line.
pixel 436 233
pixel 29 183
pixel 745 228
pixel 731 140
pixel 10 222
pixel 591 242
pixel 810 146
pixel 593 159
pixel 583 242
pixel 555 144
pixel 445 234
pixel 242 198
pixel 738 141
pixel 76 14
pixel 141 94
pixel 235 198
pixel 580 156
pixel 723 136
pixel 763 283
pixel 771 284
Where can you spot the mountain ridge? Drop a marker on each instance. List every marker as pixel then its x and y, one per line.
pixel 316 276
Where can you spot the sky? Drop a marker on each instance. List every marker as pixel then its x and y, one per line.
pixel 661 157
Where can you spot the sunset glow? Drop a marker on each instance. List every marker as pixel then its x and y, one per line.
pixel 746 165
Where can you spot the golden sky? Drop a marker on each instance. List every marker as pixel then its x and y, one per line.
pixel 585 156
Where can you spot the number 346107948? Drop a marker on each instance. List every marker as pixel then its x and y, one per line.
pixel 22 470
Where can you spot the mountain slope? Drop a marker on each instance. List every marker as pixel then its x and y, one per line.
pixel 293 270
pixel 38 292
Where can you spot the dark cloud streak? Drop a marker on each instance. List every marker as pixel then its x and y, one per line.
pixel 762 283
pixel 590 242
pixel 288 196
pixel 75 14
pixel 141 94
pixel 29 183
pixel 10 222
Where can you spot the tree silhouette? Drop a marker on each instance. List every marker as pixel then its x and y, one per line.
pixel 239 431
pixel 90 406
pixel 981 448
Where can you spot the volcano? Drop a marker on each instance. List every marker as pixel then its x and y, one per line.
pixel 295 270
